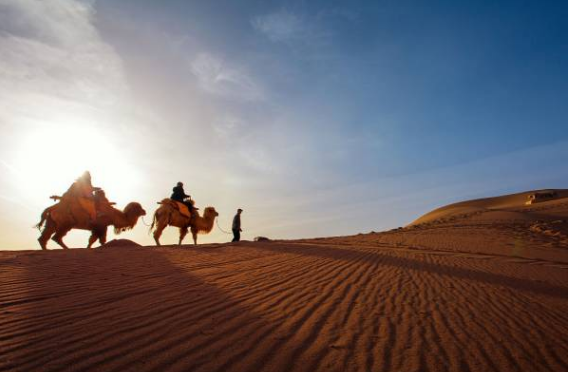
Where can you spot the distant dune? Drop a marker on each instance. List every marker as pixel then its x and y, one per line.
pixel 508 207
pixel 474 286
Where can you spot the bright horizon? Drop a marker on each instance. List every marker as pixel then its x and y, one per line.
pixel 317 119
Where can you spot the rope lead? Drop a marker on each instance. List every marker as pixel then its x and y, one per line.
pixel 222 230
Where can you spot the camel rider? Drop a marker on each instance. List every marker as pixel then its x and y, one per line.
pixel 102 204
pixel 101 199
pixel 179 195
pixel 81 191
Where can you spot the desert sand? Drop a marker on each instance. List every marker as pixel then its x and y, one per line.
pixel 475 286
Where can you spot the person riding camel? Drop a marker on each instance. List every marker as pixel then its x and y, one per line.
pixel 102 204
pixel 101 199
pixel 179 195
pixel 81 193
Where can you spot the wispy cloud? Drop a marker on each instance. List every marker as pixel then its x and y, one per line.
pixel 57 73
pixel 289 27
pixel 227 126
pixel 348 14
pixel 280 26
pixel 53 49
pixel 218 77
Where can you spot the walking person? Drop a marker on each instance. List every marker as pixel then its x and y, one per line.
pixel 236 226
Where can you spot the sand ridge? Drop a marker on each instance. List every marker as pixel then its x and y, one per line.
pixel 512 205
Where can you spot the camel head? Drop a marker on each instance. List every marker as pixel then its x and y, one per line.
pixel 134 209
pixel 205 223
pixel 210 213
pixel 132 213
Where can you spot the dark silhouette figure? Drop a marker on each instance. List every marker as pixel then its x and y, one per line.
pixel 180 195
pixel 102 204
pixel 80 193
pixel 85 207
pixel 236 226
pixel 101 198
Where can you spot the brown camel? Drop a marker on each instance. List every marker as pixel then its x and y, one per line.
pixel 59 219
pixel 168 215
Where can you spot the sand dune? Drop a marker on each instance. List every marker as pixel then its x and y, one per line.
pixel 512 207
pixel 446 296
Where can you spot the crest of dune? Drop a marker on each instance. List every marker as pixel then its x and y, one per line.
pixel 507 207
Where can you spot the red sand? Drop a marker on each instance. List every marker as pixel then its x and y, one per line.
pixel 475 293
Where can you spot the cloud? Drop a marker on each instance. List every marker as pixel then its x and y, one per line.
pixel 348 14
pixel 53 49
pixel 227 126
pixel 218 77
pixel 57 73
pixel 280 26
pixel 309 34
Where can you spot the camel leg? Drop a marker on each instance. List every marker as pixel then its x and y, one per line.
pixel 183 232
pixel 97 233
pixel 103 237
pixel 45 235
pixel 195 237
pixel 58 237
pixel 158 232
pixel 94 236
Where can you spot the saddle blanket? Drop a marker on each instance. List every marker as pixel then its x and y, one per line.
pixel 182 208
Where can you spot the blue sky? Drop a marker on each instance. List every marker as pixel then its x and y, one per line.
pixel 318 118
pixel 398 85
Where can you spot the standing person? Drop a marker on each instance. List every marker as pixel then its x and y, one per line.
pixel 236 226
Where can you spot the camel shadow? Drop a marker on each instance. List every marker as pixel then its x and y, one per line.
pixel 118 309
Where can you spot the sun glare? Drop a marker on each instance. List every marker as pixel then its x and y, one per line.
pixel 48 160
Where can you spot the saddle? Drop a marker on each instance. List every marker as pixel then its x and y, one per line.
pixel 182 208
pixel 77 205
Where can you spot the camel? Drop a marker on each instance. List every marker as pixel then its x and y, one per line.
pixel 169 215
pixel 59 219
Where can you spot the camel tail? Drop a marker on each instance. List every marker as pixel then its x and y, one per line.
pixel 42 220
pixel 154 218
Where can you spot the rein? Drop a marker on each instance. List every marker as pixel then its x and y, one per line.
pixel 222 230
pixel 144 222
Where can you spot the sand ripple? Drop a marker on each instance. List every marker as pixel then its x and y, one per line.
pixel 280 307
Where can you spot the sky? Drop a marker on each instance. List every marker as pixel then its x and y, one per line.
pixel 318 118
